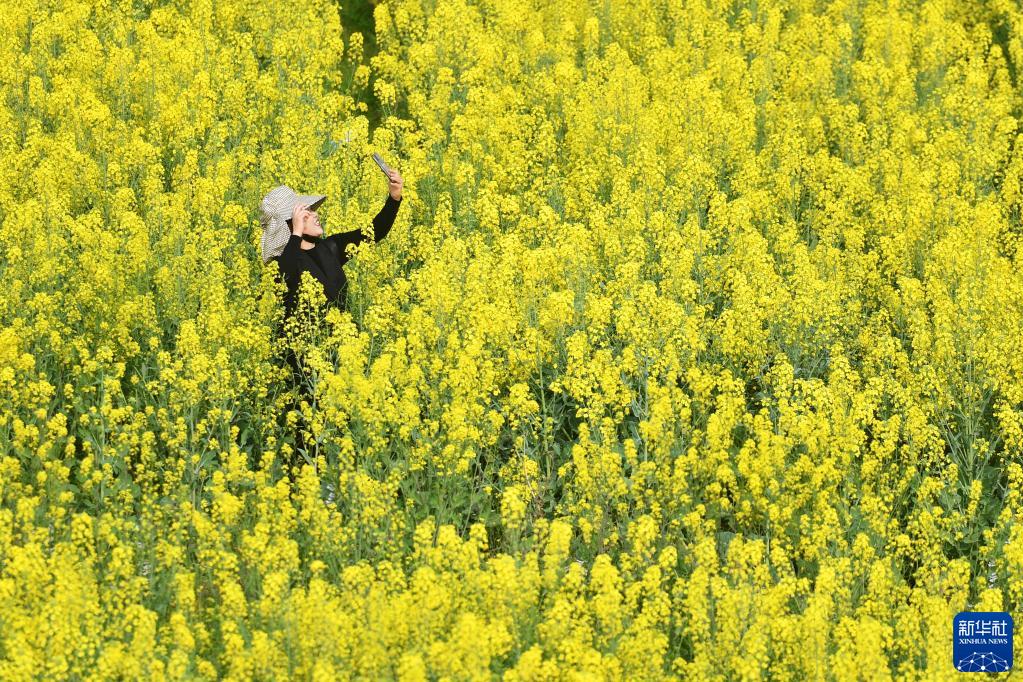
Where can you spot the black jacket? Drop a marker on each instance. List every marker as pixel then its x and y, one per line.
pixel 325 261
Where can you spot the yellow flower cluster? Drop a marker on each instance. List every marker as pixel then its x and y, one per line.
pixel 693 353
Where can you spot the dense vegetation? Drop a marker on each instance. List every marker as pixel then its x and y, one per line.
pixel 693 352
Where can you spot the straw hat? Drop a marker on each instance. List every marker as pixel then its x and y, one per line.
pixel 275 209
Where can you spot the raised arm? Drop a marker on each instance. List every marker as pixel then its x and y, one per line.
pixel 381 226
pixel 288 261
pixel 385 218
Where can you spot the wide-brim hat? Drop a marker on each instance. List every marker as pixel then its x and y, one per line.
pixel 275 210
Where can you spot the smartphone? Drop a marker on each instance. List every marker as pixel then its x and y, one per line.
pixel 383 166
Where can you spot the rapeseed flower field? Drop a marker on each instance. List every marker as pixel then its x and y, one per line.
pixel 694 351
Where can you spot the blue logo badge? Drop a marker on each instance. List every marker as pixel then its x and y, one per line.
pixel 982 641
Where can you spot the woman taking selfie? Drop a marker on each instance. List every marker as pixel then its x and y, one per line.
pixel 293 237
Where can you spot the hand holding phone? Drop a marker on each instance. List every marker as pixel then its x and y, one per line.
pixel 394 179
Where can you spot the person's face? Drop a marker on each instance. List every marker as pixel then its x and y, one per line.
pixel 313 228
